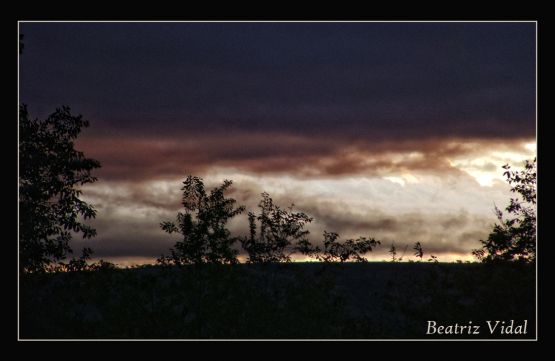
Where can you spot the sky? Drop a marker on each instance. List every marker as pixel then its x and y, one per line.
pixel 395 131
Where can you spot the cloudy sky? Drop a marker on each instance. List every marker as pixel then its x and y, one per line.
pixel 396 131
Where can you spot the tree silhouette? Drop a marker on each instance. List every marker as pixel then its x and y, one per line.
pixel 514 238
pixel 281 233
pixel 203 226
pixel 350 249
pixel 50 172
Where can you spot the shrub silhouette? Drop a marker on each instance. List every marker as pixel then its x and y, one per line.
pixel 203 226
pixel 281 233
pixel 50 171
pixel 514 238
pixel 418 250
pixel 393 252
pixel 350 249
pixel 274 234
pixel 76 264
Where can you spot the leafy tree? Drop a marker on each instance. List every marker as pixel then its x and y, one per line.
pixel 350 249
pixel 50 173
pixel 203 226
pixel 514 237
pixel 281 233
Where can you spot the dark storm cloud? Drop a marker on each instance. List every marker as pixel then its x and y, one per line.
pixel 347 80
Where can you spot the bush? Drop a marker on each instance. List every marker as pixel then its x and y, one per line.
pixel 514 238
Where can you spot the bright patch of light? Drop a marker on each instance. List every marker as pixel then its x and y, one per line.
pixel 531 147
pixel 397 180
pixel 416 155
pixel 484 179
pixel 486 168
pixel 409 178
pixel 402 180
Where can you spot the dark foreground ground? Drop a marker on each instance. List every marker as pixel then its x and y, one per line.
pixel 371 300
